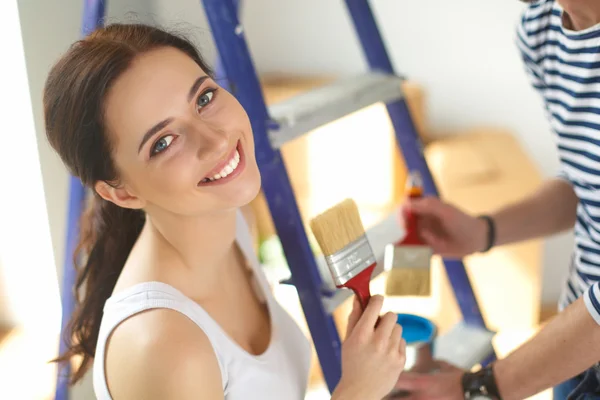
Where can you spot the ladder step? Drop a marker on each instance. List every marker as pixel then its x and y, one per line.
pixel 314 108
pixel 464 346
pixel 380 236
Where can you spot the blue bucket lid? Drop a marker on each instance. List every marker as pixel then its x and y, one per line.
pixel 416 329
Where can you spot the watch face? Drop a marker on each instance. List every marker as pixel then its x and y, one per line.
pixel 480 397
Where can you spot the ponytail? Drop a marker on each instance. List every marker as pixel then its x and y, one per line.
pixel 108 233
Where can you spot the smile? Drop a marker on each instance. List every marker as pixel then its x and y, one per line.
pixel 227 169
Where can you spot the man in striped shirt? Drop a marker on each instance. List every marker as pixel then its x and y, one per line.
pixel 559 42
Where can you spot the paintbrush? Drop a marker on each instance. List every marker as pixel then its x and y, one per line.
pixel 410 274
pixel 341 236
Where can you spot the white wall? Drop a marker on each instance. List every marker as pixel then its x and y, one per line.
pixel 187 17
pixel 25 249
pixel 48 29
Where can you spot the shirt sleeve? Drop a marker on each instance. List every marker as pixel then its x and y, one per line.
pixel 528 43
pixel 562 174
pixel 592 301
pixel 527 47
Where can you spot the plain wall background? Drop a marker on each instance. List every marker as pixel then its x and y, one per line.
pixel 49 27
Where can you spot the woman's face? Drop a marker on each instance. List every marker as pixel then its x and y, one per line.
pixel 181 143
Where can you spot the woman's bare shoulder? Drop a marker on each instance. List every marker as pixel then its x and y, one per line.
pixel 162 354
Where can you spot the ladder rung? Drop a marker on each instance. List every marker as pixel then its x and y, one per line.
pixel 464 345
pixel 380 237
pixel 314 108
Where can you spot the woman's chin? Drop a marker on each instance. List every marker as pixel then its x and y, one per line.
pixel 247 187
pixel 249 192
pixel 241 194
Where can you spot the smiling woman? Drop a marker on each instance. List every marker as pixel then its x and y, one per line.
pixel 175 304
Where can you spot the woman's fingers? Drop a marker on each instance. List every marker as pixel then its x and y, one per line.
pixel 370 315
pixel 354 316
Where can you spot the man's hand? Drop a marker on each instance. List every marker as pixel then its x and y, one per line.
pixel 443 384
pixel 448 230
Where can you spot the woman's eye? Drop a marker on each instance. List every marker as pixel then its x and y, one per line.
pixel 204 99
pixel 161 144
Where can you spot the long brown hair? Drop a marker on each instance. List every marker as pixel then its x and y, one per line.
pixel 74 97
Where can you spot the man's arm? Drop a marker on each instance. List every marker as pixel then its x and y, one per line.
pixel 567 346
pixel 453 233
pixel 551 209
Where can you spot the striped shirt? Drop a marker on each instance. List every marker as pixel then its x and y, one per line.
pixel 564 67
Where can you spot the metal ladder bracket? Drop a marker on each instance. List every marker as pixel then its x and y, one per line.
pixel 464 346
pixel 307 111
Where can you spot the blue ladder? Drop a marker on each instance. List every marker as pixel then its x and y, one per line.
pixel 272 128
pixel 93 15
pixel 282 123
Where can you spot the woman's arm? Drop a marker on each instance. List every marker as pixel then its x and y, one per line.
pixel 161 354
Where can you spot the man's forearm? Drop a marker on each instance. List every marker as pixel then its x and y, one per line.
pixel 551 209
pixel 567 346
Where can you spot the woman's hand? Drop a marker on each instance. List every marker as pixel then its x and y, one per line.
pixel 448 230
pixel 373 354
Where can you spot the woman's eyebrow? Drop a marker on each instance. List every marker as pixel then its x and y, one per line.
pixel 156 128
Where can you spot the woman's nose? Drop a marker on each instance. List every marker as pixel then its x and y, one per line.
pixel 213 143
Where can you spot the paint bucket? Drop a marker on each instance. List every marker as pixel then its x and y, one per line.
pixel 419 334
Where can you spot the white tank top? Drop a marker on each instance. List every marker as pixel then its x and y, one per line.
pixel 281 372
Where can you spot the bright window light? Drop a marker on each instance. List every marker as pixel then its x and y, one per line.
pixel 28 273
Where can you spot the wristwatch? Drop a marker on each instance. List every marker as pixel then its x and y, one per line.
pixel 480 385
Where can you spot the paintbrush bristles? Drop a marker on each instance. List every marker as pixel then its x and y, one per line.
pixel 337 227
pixel 408 282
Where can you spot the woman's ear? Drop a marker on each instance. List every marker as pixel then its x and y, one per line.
pixel 119 195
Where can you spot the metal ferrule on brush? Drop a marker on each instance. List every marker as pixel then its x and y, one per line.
pixel 412 256
pixel 351 260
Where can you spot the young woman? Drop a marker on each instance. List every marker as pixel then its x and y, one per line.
pixel 176 305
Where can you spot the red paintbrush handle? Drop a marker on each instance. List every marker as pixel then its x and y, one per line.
pixel 360 284
pixel 411 224
pixel 412 230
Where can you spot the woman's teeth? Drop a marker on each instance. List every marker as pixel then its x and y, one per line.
pixel 227 170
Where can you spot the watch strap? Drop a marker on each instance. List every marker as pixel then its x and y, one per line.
pixel 482 382
pixel 491 232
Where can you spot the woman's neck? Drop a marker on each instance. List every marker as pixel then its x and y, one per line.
pixel 186 248
pixel 581 14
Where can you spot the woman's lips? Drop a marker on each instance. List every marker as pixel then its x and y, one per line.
pixel 227 169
